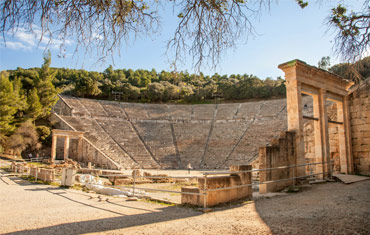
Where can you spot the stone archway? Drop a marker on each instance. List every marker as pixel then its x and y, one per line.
pixel 67 135
pixel 321 85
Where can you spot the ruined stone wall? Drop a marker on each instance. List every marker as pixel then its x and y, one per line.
pixel 360 127
pixel 90 153
pixel 309 141
pixel 280 154
pixel 218 182
pixel 309 145
pixel 334 146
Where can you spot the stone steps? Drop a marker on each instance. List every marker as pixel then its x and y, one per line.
pixel 171 136
pixel 126 137
pixel 100 139
pixel 78 108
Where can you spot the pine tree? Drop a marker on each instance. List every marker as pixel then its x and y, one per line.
pixel 35 108
pixel 45 89
pixel 21 101
pixel 8 105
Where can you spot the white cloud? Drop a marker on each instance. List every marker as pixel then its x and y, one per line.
pixel 15 45
pixel 25 37
pixel 25 40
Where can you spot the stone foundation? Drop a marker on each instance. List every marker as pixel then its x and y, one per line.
pixel 220 196
pixel 281 154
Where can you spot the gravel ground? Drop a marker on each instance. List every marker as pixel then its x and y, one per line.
pixel 331 208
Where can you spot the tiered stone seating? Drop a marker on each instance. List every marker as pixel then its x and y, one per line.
pixel 127 138
pixel 191 139
pixel 260 133
pixel 207 136
pixel 223 139
pixel 249 110
pixel 96 134
pixel 227 111
pixel 203 111
pixel 113 109
pixel 135 111
pixel 157 111
pixel 180 112
pixel 78 108
pixel 94 107
pixel 272 108
pixel 158 138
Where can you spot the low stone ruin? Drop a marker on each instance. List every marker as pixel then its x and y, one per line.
pixel 219 182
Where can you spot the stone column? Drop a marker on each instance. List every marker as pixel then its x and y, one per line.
pixel 318 137
pixel 322 147
pixel 295 120
pixel 53 147
pixel 79 149
pixel 344 137
pixel 66 147
pixel 348 133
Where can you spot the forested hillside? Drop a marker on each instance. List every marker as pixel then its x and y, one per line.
pixel 153 86
pixel 27 95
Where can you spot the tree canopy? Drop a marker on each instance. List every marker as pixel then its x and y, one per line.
pixel 26 99
pixel 205 28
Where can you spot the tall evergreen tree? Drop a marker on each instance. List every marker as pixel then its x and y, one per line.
pixel 8 105
pixel 45 89
pixel 35 108
pixel 21 103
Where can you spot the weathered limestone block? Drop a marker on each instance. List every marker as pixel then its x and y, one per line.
pixel 272 157
pixel 91 171
pixel 218 182
pixel 34 172
pixel 47 175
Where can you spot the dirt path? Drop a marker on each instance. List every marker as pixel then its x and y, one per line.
pixel 331 208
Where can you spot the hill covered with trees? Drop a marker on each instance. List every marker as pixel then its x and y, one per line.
pixel 27 95
pixel 153 86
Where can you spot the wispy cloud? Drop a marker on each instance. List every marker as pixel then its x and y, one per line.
pixel 15 46
pixel 26 40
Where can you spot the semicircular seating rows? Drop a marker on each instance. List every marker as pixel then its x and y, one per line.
pixel 209 136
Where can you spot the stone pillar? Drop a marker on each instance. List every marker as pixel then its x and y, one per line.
pixel 53 148
pixel 344 137
pixel 295 120
pixel 348 133
pixel 322 147
pixel 318 137
pixel 79 149
pixel 66 147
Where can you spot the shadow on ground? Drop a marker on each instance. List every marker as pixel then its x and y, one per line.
pixel 330 208
pixel 121 220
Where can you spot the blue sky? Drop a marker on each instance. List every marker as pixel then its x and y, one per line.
pixel 285 32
